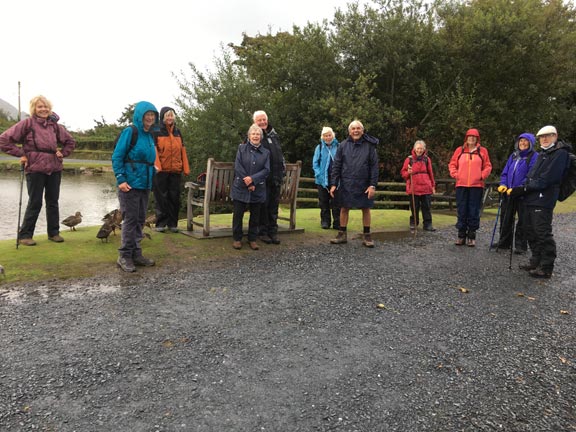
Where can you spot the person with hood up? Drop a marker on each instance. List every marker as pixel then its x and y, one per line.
pixel 44 144
pixel 355 176
pixel 322 163
pixel 171 163
pixel 470 165
pixel 134 171
pixel 540 192
pixel 513 175
pixel 420 184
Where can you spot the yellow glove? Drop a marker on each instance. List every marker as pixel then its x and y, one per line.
pixel 502 189
pixel 508 191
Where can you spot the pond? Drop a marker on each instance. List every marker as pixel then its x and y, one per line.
pixel 92 195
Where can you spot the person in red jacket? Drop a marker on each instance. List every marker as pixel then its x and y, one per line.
pixel 420 184
pixel 470 166
pixel 171 163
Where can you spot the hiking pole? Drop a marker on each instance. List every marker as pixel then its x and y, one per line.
pixel 413 206
pixel 496 221
pixel 513 205
pixel 20 203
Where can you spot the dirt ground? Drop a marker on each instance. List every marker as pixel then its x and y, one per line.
pixel 413 335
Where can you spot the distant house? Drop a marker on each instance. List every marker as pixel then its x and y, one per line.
pixel 10 111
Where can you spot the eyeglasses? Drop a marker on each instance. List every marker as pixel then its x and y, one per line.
pixel 550 135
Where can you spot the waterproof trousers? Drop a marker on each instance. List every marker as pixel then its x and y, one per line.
pixel 468 204
pixel 269 210
pixel 329 208
pixel 513 210
pixel 421 203
pixel 40 186
pixel 540 237
pixel 133 205
pixel 167 198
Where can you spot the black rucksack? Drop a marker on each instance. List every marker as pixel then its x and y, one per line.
pixel 568 185
pixel 133 140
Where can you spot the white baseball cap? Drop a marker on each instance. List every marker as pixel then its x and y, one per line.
pixel 547 130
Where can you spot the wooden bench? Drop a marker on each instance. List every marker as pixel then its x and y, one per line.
pixel 215 192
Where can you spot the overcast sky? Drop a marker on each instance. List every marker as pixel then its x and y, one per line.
pixel 92 59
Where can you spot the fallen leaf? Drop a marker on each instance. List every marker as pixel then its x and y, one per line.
pixel 168 344
pixel 564 312
pixel 381 306
pixel 520 294
pixel 563 359
pixel 463 290
pixel 531 298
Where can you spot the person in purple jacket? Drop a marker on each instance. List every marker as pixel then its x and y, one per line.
pixel 513 175
pixel 44 144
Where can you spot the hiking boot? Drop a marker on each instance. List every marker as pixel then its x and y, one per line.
pixel 325 225
pixel 367 241
pixel 142 261
pixel 160 229
pixel 175 230
pixel 471 242
pixel 520 251
pixel 528 267
pixel 253 245
pixel 237 245
pixel 460 241
pixel 341 238
pixel 412 228
pixel 56 238
pixel 274 239
pixel 27 242
pixel 540 274
pixel 265 239
pixel 126 264
pixel 429 228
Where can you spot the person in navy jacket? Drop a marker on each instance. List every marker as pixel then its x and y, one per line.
pixel 251 169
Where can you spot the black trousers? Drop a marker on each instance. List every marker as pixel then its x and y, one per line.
pixel 167 198
pixel 540 237
pixel 269 210
pixel 511 210
pixel 253 222
pixel 328 206
pixel 42 185
pixel 421 203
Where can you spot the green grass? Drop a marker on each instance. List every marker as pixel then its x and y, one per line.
pixel 83 255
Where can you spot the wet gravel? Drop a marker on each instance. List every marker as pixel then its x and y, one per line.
pixel 291 338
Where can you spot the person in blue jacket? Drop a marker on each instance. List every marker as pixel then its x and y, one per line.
pixel 355 176
pixel 134 171
pixel 322 162
pixel 540 192
pixel 514 174
pixel 251 169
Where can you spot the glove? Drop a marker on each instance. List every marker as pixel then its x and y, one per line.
pixel 516 192
pixel 502 189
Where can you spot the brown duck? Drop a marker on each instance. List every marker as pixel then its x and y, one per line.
pixel 105 230
pixel 114 219
pixel 72 221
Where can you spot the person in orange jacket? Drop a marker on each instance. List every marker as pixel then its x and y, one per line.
pixel 470 165
pixel 171 163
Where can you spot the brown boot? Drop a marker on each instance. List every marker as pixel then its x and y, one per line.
pixel 341 238
pixel 27 242
pixel 471 242
pixel 253 245
pixel 367 241
pixel 237 245
pixel 460 241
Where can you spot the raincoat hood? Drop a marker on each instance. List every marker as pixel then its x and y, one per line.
pixel 472 132
pixel 140 109
pixel 531 139
pixel 163 111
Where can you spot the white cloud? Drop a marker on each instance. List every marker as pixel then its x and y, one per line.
pixel 92 59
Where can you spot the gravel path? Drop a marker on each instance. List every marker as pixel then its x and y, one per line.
pixel 294 341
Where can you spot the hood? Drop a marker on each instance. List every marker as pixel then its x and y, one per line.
pixel 531 139
pixel 163 111
pixel 140 109
pixel 472 132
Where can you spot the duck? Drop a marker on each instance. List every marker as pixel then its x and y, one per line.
pixel 114 218
pixel 150 220
pixel 105 230
pixel 72 221
pixel 2 271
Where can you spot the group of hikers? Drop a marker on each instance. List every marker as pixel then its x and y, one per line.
pixel 150 156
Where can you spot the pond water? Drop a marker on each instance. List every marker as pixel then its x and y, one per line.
pixel 92 195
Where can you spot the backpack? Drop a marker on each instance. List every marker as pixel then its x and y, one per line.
pixel 133 140
pixel 424 159
pixel 568 185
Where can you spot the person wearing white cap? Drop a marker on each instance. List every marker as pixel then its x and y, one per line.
pixel 540 192
pixel 322 162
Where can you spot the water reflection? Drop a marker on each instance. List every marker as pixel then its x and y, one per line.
pixel 93 195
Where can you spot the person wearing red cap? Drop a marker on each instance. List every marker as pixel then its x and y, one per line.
pixel 470 165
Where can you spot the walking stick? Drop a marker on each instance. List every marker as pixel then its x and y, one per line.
pixel 413 206
pixel 496 221
pixel 20 203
